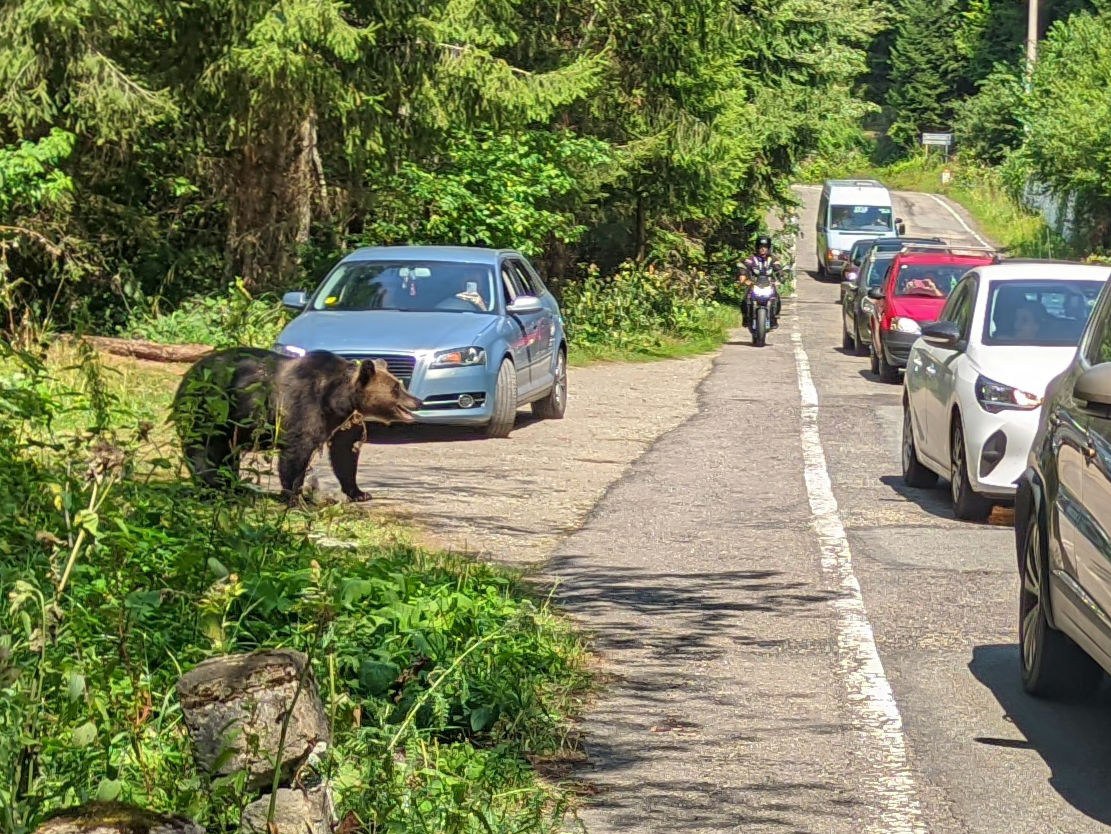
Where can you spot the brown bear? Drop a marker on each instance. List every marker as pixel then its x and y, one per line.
pixel 247 399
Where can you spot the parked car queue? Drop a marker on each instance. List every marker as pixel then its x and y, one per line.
pixel 1006 394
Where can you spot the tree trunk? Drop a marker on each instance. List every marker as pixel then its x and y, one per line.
pixel 274 185
pixel 641 233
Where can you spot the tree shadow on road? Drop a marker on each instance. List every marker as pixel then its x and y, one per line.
pixel 1074 739
pixel 664 622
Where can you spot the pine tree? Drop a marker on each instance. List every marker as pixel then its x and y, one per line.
pixel 924 69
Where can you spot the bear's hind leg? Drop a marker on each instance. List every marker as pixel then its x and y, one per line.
pixel 293 464
pixel 344 454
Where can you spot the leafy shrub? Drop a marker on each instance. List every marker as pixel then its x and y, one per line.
pixel 988 124
pixel 236 318
pixel 439 675
pixel 639 306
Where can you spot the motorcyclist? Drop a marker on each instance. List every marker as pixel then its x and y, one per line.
pixel 753 265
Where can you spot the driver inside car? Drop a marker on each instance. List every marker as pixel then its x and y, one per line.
pixel 470 283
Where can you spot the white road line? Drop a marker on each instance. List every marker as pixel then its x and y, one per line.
pixel 960 220
pixel 875 714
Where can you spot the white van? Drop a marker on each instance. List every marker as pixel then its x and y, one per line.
pixel 852 210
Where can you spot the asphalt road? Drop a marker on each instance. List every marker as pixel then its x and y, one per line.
pixel 780 662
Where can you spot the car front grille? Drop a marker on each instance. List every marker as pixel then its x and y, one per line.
pixel 400 365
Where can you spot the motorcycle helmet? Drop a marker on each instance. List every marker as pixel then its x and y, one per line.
pixel 764 240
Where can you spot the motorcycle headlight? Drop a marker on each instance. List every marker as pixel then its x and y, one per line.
pixel 290 350
pixel 459 358
pixel 902 324
pixel 995 397
pixel 763 292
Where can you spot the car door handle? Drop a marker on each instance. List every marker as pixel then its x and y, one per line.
pixel 1089 453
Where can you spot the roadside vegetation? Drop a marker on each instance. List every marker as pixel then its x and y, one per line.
pixel 445 681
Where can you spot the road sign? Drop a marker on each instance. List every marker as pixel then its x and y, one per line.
pixel 942 139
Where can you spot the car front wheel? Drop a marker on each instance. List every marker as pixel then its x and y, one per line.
pixel 505 402
pixel 1053 666
pixel 554 404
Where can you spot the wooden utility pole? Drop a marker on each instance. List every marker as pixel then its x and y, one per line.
pixel 1031 39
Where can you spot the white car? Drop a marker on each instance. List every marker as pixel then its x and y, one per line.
pixel 975 379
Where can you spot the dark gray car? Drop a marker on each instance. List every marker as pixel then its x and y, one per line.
pixel 1063 525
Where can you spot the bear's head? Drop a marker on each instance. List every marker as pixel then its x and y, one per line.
pixel 380 396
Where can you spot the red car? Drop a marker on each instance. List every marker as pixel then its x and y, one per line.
pixel 914 291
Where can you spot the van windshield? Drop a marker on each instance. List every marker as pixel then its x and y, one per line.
pixel 861 218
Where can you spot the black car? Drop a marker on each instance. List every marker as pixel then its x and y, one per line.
pixel 1063 525
pixel 856 256
pixel 855 304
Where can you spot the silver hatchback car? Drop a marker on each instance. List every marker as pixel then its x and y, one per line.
pixel 474 333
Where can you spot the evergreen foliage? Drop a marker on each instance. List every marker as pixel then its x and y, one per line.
pixel 258 139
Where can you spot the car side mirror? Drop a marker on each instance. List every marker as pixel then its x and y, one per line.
pixel 523 304
pixel 946 334
pixel 876 293
pixel 295 300
pixel 900 226
pixel 1094 385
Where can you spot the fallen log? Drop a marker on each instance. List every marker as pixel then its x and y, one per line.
pixel 142 349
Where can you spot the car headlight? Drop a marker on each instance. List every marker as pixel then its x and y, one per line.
pixel 459 358
pixel 995 397
pixel 904 325
pixel 290 350
pixel 835 254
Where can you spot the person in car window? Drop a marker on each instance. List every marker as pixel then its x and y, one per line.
pixel 1076 306
pixel 471 281
pixel 1028 321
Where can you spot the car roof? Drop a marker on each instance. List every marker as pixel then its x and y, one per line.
pixel 462 254
pixel 1045 270
pixel 942 258
pixel 899 242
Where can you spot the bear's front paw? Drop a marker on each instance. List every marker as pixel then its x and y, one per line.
pixel 359 495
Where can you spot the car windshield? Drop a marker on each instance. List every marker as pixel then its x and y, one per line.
pixel 861 218
pixel 1038 313
pixel 928 280
pixel 410 286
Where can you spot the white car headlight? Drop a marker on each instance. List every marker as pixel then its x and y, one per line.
pixel 290 350
pixel 902 324
pixel 995 397
pixel 459 358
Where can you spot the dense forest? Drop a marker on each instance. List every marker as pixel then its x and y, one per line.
pixel 152 150
pixel 961 65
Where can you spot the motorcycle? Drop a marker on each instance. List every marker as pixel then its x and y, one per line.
pixel 762 295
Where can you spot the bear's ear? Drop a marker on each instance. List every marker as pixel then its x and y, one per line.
pixel 365 372
pixel 381 366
